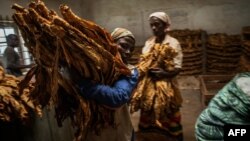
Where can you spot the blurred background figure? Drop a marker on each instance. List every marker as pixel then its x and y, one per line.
pixel 11 59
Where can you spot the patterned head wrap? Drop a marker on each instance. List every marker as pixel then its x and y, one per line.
pixel 121 32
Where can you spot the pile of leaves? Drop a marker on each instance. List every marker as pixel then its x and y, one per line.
pixel 15 106
pixel 69 43
pixel 154 95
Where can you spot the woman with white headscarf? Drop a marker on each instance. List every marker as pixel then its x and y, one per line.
pixel 170 123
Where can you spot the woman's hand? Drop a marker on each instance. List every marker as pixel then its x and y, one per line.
pixel 156 72
pixel 159 73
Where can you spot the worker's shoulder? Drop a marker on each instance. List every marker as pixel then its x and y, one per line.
pixel 172 39
pixel 241 75
pixel 9 50
pixel 243 82
pixel 151 39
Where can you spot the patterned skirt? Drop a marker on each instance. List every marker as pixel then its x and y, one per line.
pixel 169 124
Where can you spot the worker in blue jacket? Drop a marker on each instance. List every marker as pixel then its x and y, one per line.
pixel 115 96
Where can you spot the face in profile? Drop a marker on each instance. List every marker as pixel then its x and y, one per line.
pixel 125 47
pixel 158 26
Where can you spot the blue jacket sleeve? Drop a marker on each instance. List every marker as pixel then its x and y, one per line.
pixel 112 96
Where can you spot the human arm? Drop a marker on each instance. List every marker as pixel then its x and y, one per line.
pixel 111 96
pixel 161 73
pixel 21 66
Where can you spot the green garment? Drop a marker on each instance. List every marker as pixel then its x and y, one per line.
pixel 231 105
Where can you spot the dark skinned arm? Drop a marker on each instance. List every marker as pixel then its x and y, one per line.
pixel 160 73
pixel 20 66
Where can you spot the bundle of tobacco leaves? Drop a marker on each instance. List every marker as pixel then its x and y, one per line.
pixel 74 44
pixel 154 95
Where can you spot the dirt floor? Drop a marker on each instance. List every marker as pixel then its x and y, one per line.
pixel 190 111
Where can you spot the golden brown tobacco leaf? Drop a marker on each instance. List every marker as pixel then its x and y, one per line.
pixel 65 50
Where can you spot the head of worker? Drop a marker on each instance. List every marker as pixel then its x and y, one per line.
pixel 125 41
pixel 12 40
pixel 159 23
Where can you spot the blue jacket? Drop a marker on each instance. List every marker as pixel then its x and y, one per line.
pixel 112 96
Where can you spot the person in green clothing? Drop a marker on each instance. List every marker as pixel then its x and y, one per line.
pixel 231 105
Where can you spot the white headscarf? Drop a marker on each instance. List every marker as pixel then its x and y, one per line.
pixel 121 32
pixel 163 16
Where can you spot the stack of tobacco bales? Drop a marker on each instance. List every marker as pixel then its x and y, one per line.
pixel 223 53
pixel 191 44
pixel 245 57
